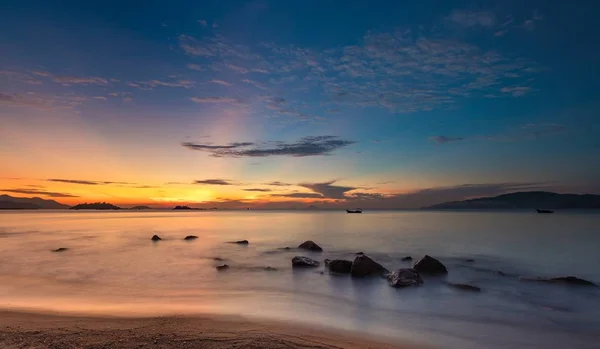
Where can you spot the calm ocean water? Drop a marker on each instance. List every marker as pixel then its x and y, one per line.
pixel 112 267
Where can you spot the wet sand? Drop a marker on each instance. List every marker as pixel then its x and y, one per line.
pixel 31 330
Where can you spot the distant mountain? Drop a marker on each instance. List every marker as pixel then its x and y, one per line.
pixel 9 205
pixel 96 206
pixel 26 203
pixel 527 199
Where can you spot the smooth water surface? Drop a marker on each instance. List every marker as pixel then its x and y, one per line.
pixel 112 267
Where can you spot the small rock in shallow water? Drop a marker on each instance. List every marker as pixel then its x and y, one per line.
pixel 222 267
pixel 340 266
pixel 270 269
pixel 218 259
pixel 240 242
pixel 61 249
pixel 365 266
pixel 404 278
pixel 464 287
pixel 311 246
pixel 190 237
pixel 156 238
pixel 407 258
pixel 357 253
pixel 431 266
pixel 300 261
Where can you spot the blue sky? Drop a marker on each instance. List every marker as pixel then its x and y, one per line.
pixel 385 98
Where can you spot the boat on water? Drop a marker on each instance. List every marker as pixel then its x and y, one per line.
pixel 358 210
pixel 544 211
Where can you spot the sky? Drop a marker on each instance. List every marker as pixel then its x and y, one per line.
pixel 286 104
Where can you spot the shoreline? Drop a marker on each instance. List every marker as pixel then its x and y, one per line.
pixel 51 330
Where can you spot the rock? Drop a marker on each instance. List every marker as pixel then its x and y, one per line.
pixel 156 238
pixel 407 258
pixel 470 260
pixel 405 277
pixel 365 266
pixel 218 259
pixel 431 266
pixel 300 261
pixel 340 266
pixel 190 237
pixel 222 267
pixel 464 287
pixel 61 249
pixel 241 242
pixel 287 248
pixel 357 253
pixel 567 280
pixel 269 269
pixel 311 246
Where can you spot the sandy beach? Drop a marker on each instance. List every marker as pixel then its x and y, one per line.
pixel 31 330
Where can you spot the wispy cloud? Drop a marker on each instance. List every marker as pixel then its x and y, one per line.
pixel 86 182
pixel 328 189
pixel 299 195
pixel 238 102
pixel 258 189
pixel 465 18
pixel 445 139
pixel 307 146
pixel 279 184
pixel 38 192
pixel 43 102
pixel 72 80
pixel 151 84
pixel 516 91
pixel 202 22
pixel 220 82
pixel 214 181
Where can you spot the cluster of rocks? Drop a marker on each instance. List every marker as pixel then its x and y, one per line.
pixel 363 266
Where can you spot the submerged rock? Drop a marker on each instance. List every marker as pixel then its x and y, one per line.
pixel 311 246
pixel 60 249
pixel 357 253
pixel 156 238
pixel 340 266
pixel 431 266
pixel 190 237
pixel 241 242
pixel 405 277
pixel 469 260
pixel 218 259
pixel 407 258
pixel 300 261
pixel 222 266
pixel 567 280
pixel 365 266
pixel 269 269
pixel 464 287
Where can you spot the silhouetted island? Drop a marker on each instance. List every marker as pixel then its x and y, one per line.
pixel 526 200
pixel 187 208
pixel 10 205
pixel 96 206
pixel 140 208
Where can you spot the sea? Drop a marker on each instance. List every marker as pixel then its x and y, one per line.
pixel 113 268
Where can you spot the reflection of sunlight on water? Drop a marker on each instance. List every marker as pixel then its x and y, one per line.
pixel 113 268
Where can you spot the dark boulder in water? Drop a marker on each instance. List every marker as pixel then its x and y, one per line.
pixel 269 269
pixel 190 237
pixel 300 261
pixel 156 238
pixel 241 242
pixel 340 266
pixel 222 267
pixel 464 287
pixel 357 253
pixel 218 259
pixel 60 249
pixel 311 246
pixel 431 266
pixel 404 278
pixel 365 266
pixel 567 280
pixel 407 259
